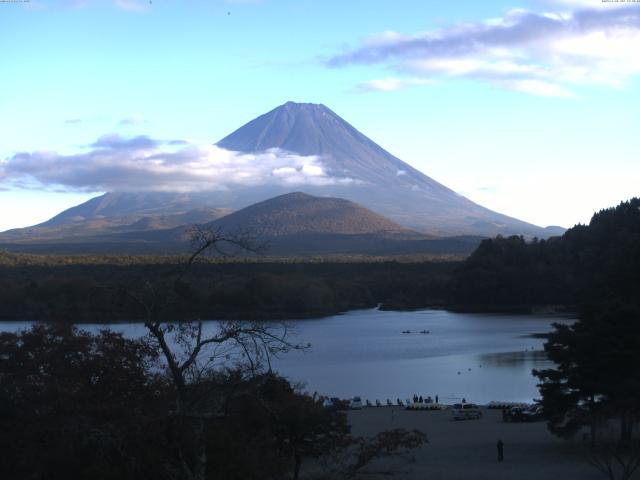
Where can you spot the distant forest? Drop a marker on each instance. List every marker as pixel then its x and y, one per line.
pixel 97 289
pixel 586 265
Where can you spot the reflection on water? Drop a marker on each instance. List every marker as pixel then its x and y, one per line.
pixel 532 358
pixel 480 357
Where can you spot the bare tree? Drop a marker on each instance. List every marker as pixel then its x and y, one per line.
pixel 616 459
pixel 192 349
pixel 349 459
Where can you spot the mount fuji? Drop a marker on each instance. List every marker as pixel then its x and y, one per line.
pixel 353 168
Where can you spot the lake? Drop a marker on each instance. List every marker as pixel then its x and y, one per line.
pixel 479 357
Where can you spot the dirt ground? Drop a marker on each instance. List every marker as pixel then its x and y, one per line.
pixel 467 449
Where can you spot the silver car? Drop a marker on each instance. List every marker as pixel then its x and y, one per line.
pixel 466 411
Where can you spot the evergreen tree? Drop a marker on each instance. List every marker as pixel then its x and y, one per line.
pixel 597 376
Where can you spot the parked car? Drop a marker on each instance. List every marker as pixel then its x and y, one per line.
pixel 466 411
pixel 532 414
pixel 336 403
pixel 328 402
pixel 355 403
pixel 513 414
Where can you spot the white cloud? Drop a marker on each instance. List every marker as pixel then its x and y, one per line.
pixel 127 5
pixel 587 4
pixel 537 87
pixel 312 170
pixel 548 54
pixel 390 84
pixel 114 163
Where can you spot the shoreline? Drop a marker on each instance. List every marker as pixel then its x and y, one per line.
pixel 466 449
pixel 293 316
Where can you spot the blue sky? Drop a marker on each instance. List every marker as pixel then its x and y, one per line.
pixel 530 108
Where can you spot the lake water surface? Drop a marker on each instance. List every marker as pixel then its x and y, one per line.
pixel 480 357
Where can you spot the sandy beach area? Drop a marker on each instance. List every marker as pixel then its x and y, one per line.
pixel 466 450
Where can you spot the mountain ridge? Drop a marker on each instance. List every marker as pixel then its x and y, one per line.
pixel 294 224
pixel 380 182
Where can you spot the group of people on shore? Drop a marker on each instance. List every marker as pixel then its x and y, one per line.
pixel 420 399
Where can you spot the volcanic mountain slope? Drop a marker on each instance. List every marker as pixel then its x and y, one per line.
pixel 355 169
pixel 382 182
pixel 294 224
pixel 312 129
pixel 97 225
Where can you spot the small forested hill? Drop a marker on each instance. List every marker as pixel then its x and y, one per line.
pixel 588 264
pixel 297 213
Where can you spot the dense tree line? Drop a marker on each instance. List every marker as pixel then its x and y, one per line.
pixel 514 274
pixel 595 384
pixel 78 405
pixel 48 288
pixel 586 265
pixel 596 376
pixel 182 403
pixel 594 269
pixel 75 405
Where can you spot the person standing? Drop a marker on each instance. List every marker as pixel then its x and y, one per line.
pixel 500 446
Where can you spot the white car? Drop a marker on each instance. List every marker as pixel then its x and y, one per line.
pixel 355 403
pixel 465 411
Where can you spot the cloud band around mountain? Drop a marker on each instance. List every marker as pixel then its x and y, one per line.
pixel 544 54
pixel 115 163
